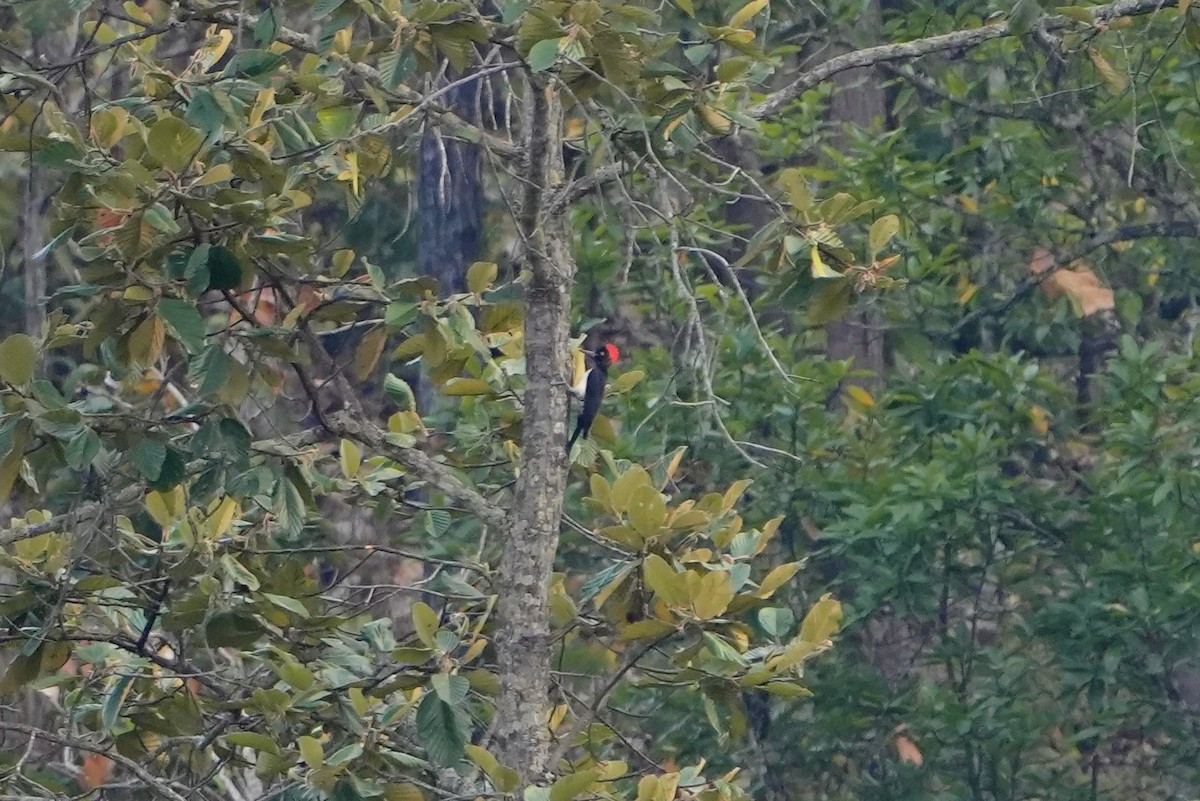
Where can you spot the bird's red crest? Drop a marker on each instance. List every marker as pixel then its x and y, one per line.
pixel 611 351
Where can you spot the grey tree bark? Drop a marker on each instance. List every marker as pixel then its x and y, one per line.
pixel 520 738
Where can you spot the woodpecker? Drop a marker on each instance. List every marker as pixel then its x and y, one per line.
pixel 589 387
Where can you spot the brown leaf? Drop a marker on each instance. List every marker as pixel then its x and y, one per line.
pixel 1081 285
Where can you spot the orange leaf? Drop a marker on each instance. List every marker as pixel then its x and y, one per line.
pixel 95 772
pixel 1083 287
pixel 908 752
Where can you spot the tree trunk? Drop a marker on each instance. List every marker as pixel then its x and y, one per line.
pixel 520 735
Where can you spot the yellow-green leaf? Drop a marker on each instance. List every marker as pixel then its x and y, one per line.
pixel 173 143
pixel 664 580
pixel 216 175
pixel 146 341
pixel 108 125
pixel 572 785
pixel 779 576
pixel 342 259
pixel 481 275
pixel 458 387
pixel 746 12
pixel 626 483
pixel 712 595
pixel 819 268
pixel 18 356
pixel 350 458
pixel 734 493
pixel 822 620
pixel 426 622
pixel 1085 15
pixel 403 792
pixel 601 490
pixel 1116 81
pixel 366 355
pixel 645 630
pixel 627 381
pixel 882 230
pixel 222 518
pixel 647 510
pixel 311 751
pixel 504 779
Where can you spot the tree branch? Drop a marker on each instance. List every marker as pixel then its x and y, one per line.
pixel 1171 228
pixel 956 40
pixel 67 741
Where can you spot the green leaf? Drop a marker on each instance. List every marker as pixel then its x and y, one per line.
pixel 174 470
pixel 82 448
pixel 18 355
pixel 451 689
pixel 443 730
pixel 110 710
pixel 238 572
pixel 686 7
pixel 400 392
pixel 160 218
pixel 252 739
pixel 323 8
pixel 396 66
pixel 54 243
pixel 290 604
pixel 253 63
pixel 23 669
pixel 543 55
pixel 232 630
pixel 185 322
pixel 1078 13
pixel 148 456
pixel 776 621
pixel 224 269
pixel 266 28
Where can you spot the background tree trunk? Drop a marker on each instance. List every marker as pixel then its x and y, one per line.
pixel 859 101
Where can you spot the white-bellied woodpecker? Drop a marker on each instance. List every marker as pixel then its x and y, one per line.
pixel 588 385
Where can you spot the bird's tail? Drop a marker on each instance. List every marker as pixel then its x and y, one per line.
pixel 578 430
